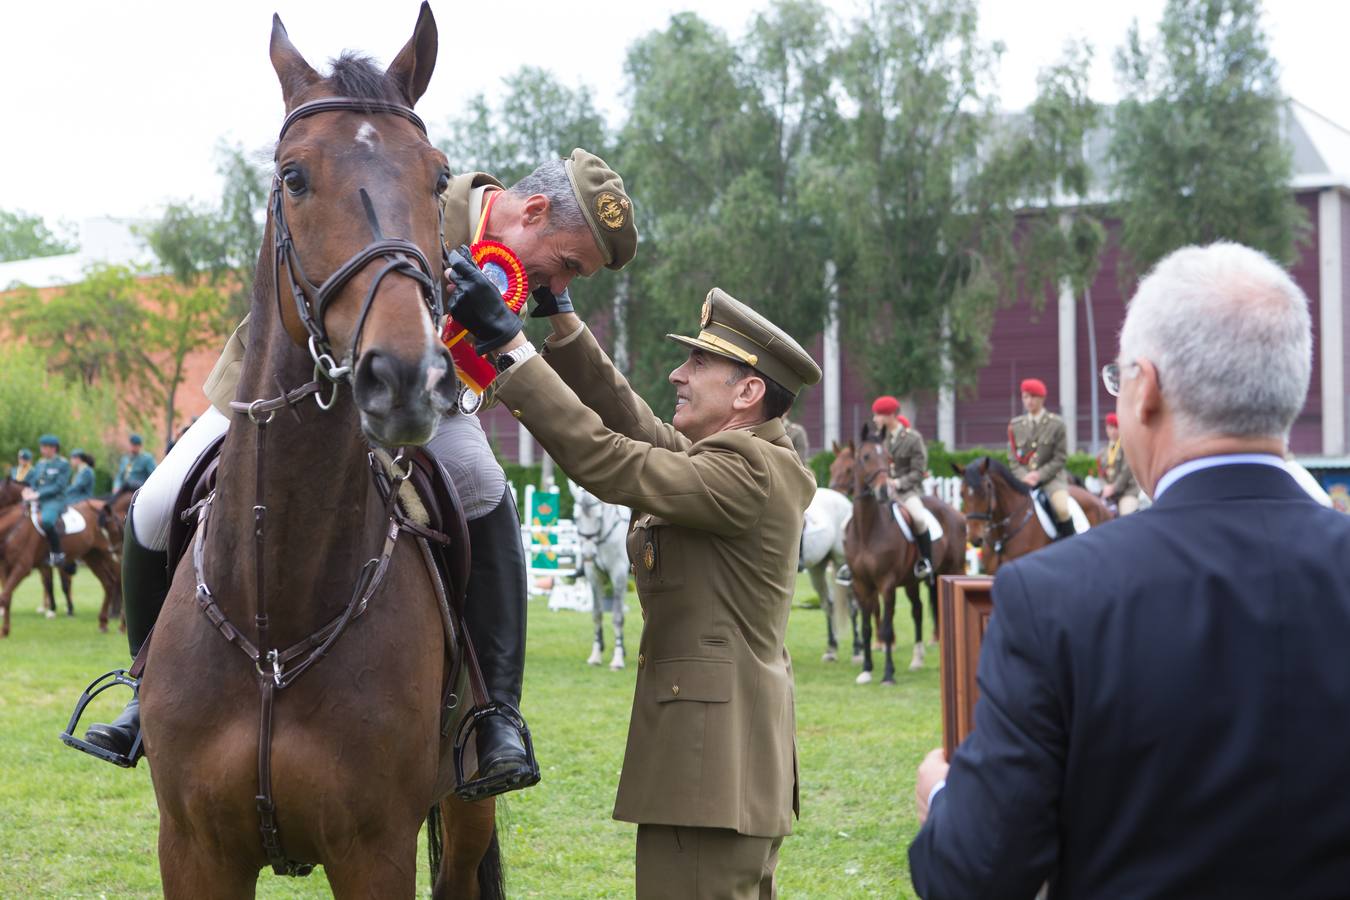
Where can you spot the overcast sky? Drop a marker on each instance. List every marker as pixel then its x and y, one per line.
pixel 115 108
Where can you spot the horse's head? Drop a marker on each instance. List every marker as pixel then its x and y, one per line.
pixel 978 497
pixel 586 509
pixel 872 466
pixel 354 218
pixel 841 470
pixel 11 492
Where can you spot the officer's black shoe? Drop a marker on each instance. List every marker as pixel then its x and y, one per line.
pixel 119 735
pixel 1064 529
pixel 495 609
pixel 923 569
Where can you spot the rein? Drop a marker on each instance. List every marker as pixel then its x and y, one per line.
pixel 999 528
pixel 601 534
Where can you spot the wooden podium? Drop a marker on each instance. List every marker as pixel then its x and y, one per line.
pixel 966 603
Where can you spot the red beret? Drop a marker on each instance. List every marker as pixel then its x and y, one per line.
pixel 902 420
pixel 1112 420
pixel 1033 386
pixel 886 405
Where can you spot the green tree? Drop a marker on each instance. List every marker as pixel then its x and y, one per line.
pixel 24 236
pixel 1198 149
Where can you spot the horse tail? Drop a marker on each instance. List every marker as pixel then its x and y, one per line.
pixel 491 874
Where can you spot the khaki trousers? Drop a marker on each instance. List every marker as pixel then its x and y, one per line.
pixel 914 506
pixel 679 863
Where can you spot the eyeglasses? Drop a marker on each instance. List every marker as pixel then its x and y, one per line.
pixel 1111 376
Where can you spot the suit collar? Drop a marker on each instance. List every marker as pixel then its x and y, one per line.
pixel 773 432
pixel 1233 482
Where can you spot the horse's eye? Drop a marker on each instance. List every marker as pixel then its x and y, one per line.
pixel 442 183
pixel 295 181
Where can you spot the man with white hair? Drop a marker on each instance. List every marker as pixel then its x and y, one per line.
pixel 1159 697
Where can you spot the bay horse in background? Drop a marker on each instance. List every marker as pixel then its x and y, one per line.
pixel 11 495
pixel 297 567
pixel 1001 510
pixel 882 559
pixel 23 548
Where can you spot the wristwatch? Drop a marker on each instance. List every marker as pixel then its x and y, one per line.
pixel 505 361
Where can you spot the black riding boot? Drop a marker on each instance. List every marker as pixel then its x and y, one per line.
pixel 145 584
pixel 55 557
pixel 1064 529
pixel 494 610
pixel 923 569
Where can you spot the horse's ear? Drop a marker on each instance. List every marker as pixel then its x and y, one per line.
pixel 411 69
pixel 294 73
pixel 955 468
pixel 834 447
pixel 984 465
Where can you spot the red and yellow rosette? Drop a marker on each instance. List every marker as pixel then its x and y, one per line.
pixel 505 270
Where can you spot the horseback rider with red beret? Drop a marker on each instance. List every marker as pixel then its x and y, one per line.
pixel 909 464
pixel 1118 481
pixel 1037 449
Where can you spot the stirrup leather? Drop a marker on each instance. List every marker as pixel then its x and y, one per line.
pixel 487 786
pixel 96 687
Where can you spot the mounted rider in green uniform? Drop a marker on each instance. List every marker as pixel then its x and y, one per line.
pixel 24 469
pixel 133 468
pixel 82 480
pixel 47 485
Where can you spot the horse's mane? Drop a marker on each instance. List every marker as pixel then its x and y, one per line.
pixel 972 476
pixel 357 76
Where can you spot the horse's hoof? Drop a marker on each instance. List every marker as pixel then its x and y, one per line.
pixel 829 656
pixel 596 658
pixel 103 627
pixel 617 662
pixel 49 614
pixel 857 659
pixel 888 682
pixel 916 663
pixel 864 678
pixel 41 610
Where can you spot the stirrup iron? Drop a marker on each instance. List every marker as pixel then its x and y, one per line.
pixel 96 687
pixel 487 786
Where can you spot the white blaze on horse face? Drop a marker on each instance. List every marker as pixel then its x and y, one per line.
pixel 367 134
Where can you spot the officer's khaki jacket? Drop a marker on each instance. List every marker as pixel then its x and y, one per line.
pixel 1040 447
pixel 463 204
pixel 909 458
pixel 713 543
pixel 1118 474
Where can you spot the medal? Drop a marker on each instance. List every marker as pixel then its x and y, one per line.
pixel 507 274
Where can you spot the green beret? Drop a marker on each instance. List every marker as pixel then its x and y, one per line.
pixel 49 440
pixel 136 439
pixel 25 453
pixel 734 330
pixel 609 212
pixel 77 452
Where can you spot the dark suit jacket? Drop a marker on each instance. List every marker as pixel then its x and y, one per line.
pixel 1164 709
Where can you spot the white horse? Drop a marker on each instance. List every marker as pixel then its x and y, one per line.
pixel 823 546
pixel 603 529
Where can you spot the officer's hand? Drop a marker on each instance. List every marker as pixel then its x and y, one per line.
pixel 29 494
pixel 478 305
pixel 1108 491
pixel 1032 478
pixel 547 303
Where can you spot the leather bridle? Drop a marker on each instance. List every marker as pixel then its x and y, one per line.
pixel 998 530
pixel 403 257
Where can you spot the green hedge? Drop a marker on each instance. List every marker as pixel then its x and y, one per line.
pixel 940 461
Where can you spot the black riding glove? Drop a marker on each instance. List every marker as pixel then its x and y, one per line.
pixel 547 303
pixel 478 305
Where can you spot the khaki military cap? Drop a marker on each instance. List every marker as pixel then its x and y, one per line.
pixel 609 212
pixel 734 330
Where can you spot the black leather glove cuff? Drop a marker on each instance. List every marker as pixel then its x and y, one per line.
pixel 547 303
pixel 478 305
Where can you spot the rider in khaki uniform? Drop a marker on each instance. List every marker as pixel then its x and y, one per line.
pixel 1037 449
pixel 909 464
pixel 541 219
pixel 1115 471
pixel 718 497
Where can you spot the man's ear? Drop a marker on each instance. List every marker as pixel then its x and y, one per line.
pixel 535 210
pixel 1148 399
pixel 749 392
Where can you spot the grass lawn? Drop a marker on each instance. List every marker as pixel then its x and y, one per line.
pixel 72 826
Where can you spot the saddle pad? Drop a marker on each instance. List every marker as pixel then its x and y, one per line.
pixel 934 528
pixel 71 521
pixel 1076 515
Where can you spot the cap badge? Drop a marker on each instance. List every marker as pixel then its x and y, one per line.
pixel 611 209
pixel 705 316
pixel 649 556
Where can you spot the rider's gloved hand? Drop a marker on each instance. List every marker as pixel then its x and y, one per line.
pixel 478 305
pixel 547 303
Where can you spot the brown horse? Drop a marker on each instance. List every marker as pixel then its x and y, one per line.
pixel 880 557
pixel 298 560
pixel 1001 510
pixel 24 548
pixel 11 494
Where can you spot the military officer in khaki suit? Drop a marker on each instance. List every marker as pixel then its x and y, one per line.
pixel 1037 449
pixel 1118 480
pixel 718 497
pixel 909 464
pixel 559 221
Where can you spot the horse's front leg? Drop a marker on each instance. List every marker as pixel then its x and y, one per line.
pixel 616 610
pixel 916 609
pixel 865 677
pixel 888 636
pixel 48 604
pixel 820 583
